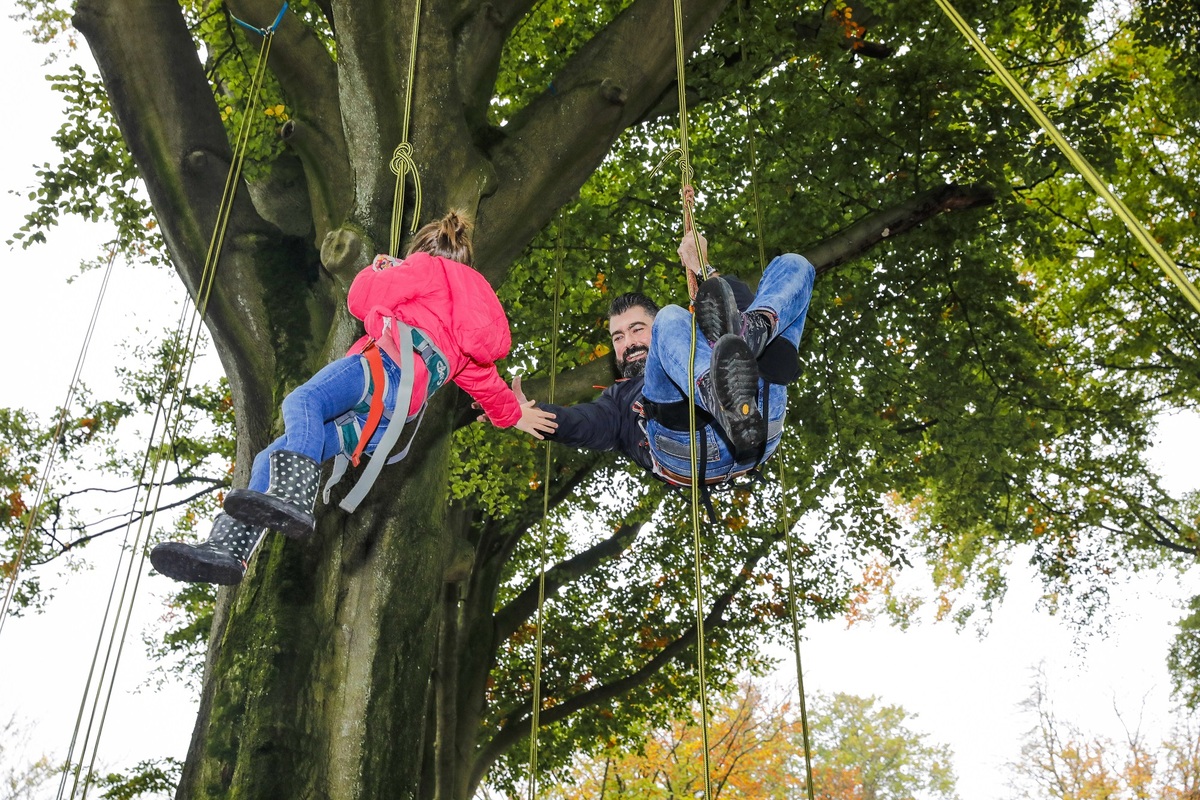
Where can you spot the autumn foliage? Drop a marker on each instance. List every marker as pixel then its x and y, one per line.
pixel 860 751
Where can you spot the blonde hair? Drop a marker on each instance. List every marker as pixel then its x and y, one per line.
pixel 448 237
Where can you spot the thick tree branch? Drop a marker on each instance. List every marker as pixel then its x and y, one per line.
pixel 372 80
pixel 869 231
pixel 576 384
pixel 480 40
pixel 167 114
pixel 579 383
pixel 308 77
pixel 558 140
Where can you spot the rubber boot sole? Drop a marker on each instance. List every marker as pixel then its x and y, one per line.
pixel 185 562
pixel 734 375
pixel 716 310
pixel 260 510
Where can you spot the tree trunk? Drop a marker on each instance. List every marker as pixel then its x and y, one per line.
pixel 319 684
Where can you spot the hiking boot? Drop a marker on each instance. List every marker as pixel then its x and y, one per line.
pixel 288 503
pixel 220 560
pixel 729 391
pixel 716 310
pixel 717 314
pixel 756 330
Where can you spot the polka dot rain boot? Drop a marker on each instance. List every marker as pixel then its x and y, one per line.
pixel 221 560
pixel 287 504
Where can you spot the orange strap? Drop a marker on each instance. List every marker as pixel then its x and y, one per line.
pixel 375 414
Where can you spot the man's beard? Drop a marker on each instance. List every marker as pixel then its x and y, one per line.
pixel 634 369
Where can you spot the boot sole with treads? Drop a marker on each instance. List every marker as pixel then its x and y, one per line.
pixel 716 310
pixel 734 382
pixel 287 504
pixel 196 563
pixel 262 510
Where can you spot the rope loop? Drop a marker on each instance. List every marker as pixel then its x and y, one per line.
pixel 684 168
pixel 402 159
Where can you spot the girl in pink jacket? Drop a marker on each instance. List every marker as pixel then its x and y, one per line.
pixel 431 309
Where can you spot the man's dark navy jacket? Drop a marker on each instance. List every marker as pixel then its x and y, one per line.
pixel 610 422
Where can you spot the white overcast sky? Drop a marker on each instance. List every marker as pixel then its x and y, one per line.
pixel 965 690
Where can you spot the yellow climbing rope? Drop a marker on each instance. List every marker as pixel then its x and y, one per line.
pixel 685 170
pixel 793 606
pixel 402 160
pixel 63 412
pixel 537 653
pixel 794 615
pixel 182 356
pixel 1148 242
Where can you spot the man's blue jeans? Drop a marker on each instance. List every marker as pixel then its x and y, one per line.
pixel 310 409
pixel 785 290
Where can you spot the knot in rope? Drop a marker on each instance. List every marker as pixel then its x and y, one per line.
pixel 402 162
pixel 402 159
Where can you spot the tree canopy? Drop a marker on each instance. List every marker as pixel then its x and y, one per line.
pixel 985 355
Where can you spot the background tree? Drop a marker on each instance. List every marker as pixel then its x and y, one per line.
pixel 1061 761
pixel 21 777
pixel 860 751
pixel 865 750
pixel 752 754
pixel 985 357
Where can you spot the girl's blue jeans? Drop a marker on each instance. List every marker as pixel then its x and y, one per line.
pixel 785 290
pixel 310 409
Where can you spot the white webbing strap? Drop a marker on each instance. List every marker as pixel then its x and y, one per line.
pixel 391 434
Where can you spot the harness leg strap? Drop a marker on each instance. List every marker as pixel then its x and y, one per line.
pixel 375 361
pixel 392 434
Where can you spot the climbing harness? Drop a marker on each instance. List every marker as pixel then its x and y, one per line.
pixel 680 482
pixel 399 342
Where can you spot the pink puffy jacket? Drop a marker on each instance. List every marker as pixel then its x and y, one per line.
pixel 456 307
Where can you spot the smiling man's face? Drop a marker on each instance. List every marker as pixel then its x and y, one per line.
pixel 630 333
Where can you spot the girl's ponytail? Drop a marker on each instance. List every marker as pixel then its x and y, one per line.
pixel 448 237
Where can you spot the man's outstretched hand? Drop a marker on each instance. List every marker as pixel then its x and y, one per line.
pixel 535 421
